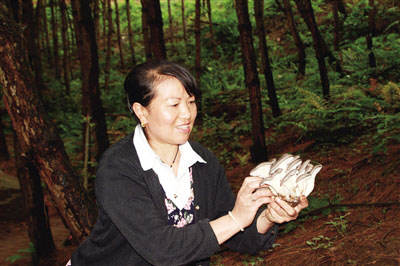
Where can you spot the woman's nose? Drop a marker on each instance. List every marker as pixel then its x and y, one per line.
pixel 185 111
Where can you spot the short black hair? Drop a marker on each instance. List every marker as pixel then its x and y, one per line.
pixel 141 81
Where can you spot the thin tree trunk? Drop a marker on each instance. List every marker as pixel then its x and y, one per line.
pixel 46 35
pixel 211 29
pixel 197 66
pixel 307 13
pixel 37 136
pixel 259 15
pixel 4 154
pixel 337 25
pixel 36 213
pixel 301 53
pixel 64 32
pixel 30 36
pixel 54 29
pixel 259 149
pixel 121 52
pixel 197 37
pixel 130 33
pixel 96 18
pixel 146 33
pixel 171 28
pixel 105 17
pixel 109 43
pixel 184 22
pixel 155 22
pixel 371 33
pixel 87 47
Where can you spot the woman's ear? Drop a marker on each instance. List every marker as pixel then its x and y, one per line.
pixel 141 112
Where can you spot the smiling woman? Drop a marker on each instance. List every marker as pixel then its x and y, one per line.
pixel 165 200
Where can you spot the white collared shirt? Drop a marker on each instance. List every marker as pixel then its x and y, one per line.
pixel 177 188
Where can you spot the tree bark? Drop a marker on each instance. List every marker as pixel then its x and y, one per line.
pixel 87 47
pixel 37 136
pixel 96 18
pixel 47 35
pixel 259 15
pixel 197 37
pixel 121 52
pixel 259 149
pixel 211 29
pixel 130 33
pixel 152 10
pixel 171 28
pixel 4 154
pixel 184 22
pixel 371 33
pixel 108 45
pixel 301 52
pixel 54 29
pixel 36 213
pixel 64 32
pixel 307 13
pixel 146 33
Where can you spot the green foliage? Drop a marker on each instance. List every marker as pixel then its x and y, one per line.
pixel 339 223
pixel 22 253
pixel 320 242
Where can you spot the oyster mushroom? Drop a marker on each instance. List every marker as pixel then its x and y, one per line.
pixel 288 178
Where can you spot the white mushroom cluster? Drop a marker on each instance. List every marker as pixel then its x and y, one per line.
pixel 289 177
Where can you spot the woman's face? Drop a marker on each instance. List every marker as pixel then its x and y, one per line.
pixel 170 116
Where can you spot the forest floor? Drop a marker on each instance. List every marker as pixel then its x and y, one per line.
pixel 366 232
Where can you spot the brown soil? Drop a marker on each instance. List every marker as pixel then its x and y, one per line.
pixel 359 235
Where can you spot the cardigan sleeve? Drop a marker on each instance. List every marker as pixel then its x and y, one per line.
pixel 123 195
pixel 248 241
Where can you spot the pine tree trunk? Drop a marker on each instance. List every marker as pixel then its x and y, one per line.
pixel 184 23
pixel 36 213
pixel 104 19
pixel 301 52
pixel 371 33
pixel 197 37
pixel 64 32
pixel 171 28
pixel 121 52
pixel 337 25
pixel 146 33
pixel 54 29
pixel 155 22
pixel 87 50
pixel 259 15
pixel 130 33
pixel 211 29
pixel 4 154
pixel 37 136
pixel 47 36
pixel 96 18
pixel 259 149
pixel 109 43
pixel 307 13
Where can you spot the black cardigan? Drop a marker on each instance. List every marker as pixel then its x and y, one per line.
pixel 132 226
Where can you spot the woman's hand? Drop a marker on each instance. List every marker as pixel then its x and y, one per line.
pixel 279 211
pixel 249 199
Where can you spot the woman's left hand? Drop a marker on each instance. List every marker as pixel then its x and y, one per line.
pixel 279 211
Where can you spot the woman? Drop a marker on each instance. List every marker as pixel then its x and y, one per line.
pixel 164 200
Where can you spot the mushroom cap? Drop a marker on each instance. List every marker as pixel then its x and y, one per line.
pixel 289 177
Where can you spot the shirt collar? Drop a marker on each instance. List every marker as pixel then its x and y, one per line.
pixel 148 157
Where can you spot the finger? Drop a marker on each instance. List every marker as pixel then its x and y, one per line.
pixel 276 208
pixel 289 210
pixel 274 216
pixel 262 192
pixel 261 201
pixel 250 184
pixel 302 204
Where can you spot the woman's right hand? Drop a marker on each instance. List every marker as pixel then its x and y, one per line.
pixel 249 199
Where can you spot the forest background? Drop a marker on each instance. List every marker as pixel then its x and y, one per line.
pixel 316 78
